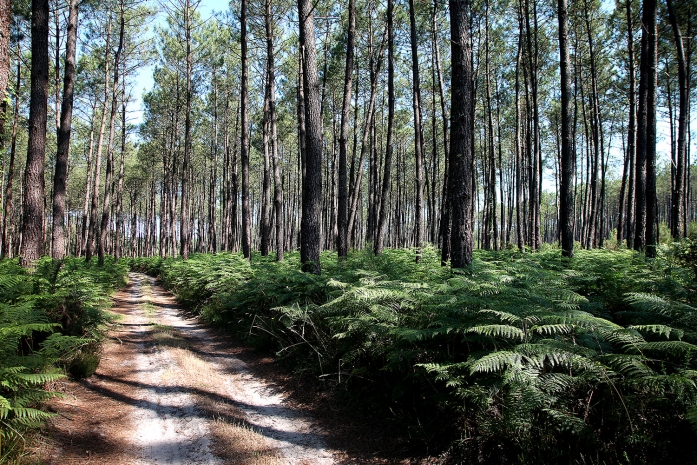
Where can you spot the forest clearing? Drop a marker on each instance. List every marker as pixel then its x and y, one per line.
pixel 394 231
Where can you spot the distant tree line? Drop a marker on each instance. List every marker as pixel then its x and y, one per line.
pixel 275 126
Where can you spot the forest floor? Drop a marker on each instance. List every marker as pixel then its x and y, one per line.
pixel 170 390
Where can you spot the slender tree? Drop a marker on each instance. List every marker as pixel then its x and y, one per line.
pixel 386 177
pixel 645 236
pixel 92 232
pixel 677 213
pixel 109 173
pixel 343 223
pixel 461 161
pixel 6 250
pixel 60 178
pixel 33 231
pixel 244 141
pixel 310 234
pixel 568 158
pixel 184 221
pixel 418 135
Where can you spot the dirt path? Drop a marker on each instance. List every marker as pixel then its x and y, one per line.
pixel 170 391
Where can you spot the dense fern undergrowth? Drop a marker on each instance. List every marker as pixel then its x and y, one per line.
pixel 52 321
pixel 523 358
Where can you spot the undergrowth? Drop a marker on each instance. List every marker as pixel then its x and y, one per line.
pixel 51 322
pixel 521 358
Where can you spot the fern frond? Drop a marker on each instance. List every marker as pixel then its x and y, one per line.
pixel 566 421
pixel 506 317
pixel 495 362
pixel 648 302
pixel 553 329
pixel 661 330
pixel 502 331
pixel 668 347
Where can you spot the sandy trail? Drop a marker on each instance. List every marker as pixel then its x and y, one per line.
pixel 170 391
pixel 292 434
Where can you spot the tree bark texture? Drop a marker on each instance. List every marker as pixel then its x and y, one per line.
pixel 568 158
pixel 33 242
pixel 60 179
pixel 461 163
pixel 310 239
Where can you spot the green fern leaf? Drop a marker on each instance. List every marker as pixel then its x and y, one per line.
pixel 502 331
pixel 495 362
pixel 661 330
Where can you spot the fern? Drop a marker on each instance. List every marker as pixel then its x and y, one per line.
pixel 540 359
pixel 499 331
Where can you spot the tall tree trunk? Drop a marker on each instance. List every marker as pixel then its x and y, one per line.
pixel 370 114
pixel 520 217
pixel 60 179
pixel 646 135
pixel 631 128
pixel 492 223
pixel 5 23
pixel 92 233
pixel 595 124
pixel 343 223
pixel 534 133
pixel 108 188
pixel 384 204
pixel 568 158
pixel 119 185
pixel 9 206
pixel 679 191
pixel 461 163
pixel 33 240
pixel 418 136
pixel 244 143
pixel 649 20
pixel 265 227
pixel 310 233
pixel 445 226
pixel 185 221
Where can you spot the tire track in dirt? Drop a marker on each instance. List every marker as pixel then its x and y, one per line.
pixel 182 395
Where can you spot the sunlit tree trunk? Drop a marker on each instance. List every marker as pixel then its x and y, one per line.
pixel 461 163
pixel 310 234
pixel 418 136
pixel 60 179
pixel 33 241
pixel 343 223
pixel 244 142
pixel 678 193
pixel 384 203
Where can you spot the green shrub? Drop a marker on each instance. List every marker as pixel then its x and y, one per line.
pixel 84 365
pixel 522 358
pixel 52 318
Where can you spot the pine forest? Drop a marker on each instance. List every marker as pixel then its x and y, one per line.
pixel 477 218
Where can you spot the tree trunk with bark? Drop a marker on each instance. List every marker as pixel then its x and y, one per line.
pixel 568 158
pixel 385 191
pixel 677 213
pixel 33 242
pixel 310 233
pixel 343 223
pixel 184 220
pixel 60 179
pixel 461 162
pixel 418 136
pixel 244 142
